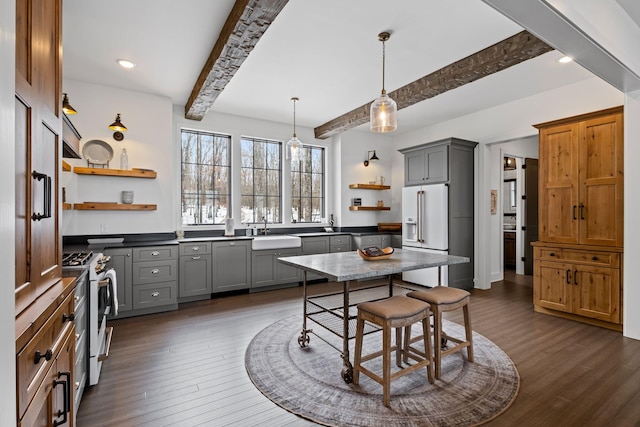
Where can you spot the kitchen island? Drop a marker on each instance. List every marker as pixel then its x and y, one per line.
pixel 337 312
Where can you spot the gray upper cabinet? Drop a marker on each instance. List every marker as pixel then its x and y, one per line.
pixel 427 165
pixel 231 265
pixel 195 271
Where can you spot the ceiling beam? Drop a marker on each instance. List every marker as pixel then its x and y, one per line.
pixel 502 55
pixel 246 23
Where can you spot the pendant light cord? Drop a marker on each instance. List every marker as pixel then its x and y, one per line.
pixel 294 116
pixel 383 55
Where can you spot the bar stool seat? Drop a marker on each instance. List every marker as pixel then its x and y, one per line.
pixel 395 312
pixel 443 299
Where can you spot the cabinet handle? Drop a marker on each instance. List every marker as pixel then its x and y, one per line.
pixel 128 255
pixel 195 248
pixel 575 277
pixel 581 210
pixel 38 356
pixel 155 253
pixel 67 398
pixel 155 271
pixel 196 257
pixel 232 243
pixel 552 254
pixel 155 294
pixel 70 317
pixel 574 212
pixel 595 258
pixel 567 277
pixel 46 196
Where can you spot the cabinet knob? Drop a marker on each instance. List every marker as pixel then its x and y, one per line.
pixel 195 248
pixel 155 253
pixel 39 356
pixel 155 294
pixel 155 271
pixel 552 254
pixel 196 257
pixel 72 316
pixel 595 258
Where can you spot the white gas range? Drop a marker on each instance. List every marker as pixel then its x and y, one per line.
pixel 100 287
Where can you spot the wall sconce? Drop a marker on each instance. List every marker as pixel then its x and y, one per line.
pixel 66 107
pixel 509 163
pixel 118 127
pixel 371 157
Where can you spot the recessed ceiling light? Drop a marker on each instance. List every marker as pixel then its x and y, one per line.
pixel 125 63
pixel 565 59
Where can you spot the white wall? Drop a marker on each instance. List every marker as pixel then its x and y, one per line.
pixel 631 269
pixel 7 211
pixel 149 144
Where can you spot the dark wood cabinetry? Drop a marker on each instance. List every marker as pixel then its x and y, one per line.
pixel 510 249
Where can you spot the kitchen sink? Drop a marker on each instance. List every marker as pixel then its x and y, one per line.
pixel 276 242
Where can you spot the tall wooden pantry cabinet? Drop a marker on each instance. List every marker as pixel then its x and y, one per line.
pixel 44 304
pixel 578 258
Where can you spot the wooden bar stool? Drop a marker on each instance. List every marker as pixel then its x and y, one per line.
pixel 395 312
pixel 443 299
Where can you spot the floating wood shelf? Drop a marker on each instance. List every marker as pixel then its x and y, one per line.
pixel 132 173
pixel 369 208
pixel 66 167
pixel 66 206
pixel 369 186
pixel 99 206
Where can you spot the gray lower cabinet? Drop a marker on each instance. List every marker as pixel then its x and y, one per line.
pixel 312 246
pixel 377 240
pixel 122 262
pixel 231 265
pixel 80 321
pixel 195 270
pixel 341 243
pixel 266 270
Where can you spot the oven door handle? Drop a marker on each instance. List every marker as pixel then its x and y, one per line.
pixel 105 355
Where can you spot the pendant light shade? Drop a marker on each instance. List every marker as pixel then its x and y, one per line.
pixel 66 107
pixel 117 125
pixel 294 151
pixel 384 110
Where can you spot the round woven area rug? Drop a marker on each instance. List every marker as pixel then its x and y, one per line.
pixel 307 381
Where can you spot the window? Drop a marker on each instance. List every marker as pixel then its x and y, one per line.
pixel 206 184
pixel 307 186
pixel 260 180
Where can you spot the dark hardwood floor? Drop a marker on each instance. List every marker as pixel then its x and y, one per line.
pixel 186 367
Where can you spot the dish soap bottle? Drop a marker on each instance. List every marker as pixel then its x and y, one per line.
pixel 124 160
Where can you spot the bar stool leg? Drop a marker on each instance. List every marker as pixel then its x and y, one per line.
pixel 386 364
pixel 468 331
pixel 426 334
pixel 437 338
pixel 358 350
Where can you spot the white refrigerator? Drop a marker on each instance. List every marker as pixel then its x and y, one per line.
pixel 425 212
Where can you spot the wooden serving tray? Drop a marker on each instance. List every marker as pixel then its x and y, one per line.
pixel 388 252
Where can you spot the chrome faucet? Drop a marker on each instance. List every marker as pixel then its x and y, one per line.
pixel 265 230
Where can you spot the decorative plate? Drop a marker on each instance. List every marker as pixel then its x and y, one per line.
pixel 97 152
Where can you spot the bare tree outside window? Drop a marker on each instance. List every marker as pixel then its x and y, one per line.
pixel 206 172
pixel 307 186
pixel 260 180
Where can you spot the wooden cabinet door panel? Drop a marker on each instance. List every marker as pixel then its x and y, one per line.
pixel 558 175
pixel 553 286
pixel 597 293
pixel 601 181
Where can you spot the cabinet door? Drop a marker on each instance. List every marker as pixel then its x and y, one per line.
pixel 195 275
pixel 558 186
pixel 552 285
pixel 263 268
pixel 601 181
pixel 121 261
pixel 597 293
pixel 414 168
pixel 436 164
pixel 231 266
pixel 287 273
pixel 314 245
pixel 385 241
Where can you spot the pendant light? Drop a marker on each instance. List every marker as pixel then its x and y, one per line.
pixel 384 110
pixel 294 146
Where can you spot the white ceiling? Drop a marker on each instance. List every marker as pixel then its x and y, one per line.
pixel 325 52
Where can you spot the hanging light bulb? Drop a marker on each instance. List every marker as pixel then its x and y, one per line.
pixel 294 146
pixel 384 110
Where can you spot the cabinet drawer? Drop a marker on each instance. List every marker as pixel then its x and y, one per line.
pixel 30 374
pixel 155 253
pixel 195 248
pixel 367 241
pixel 341 248
pixel 153 272
pixel 605 259
pixel 340 240
pixel 154 295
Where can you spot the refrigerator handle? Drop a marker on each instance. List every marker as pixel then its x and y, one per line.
pixel 420 195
